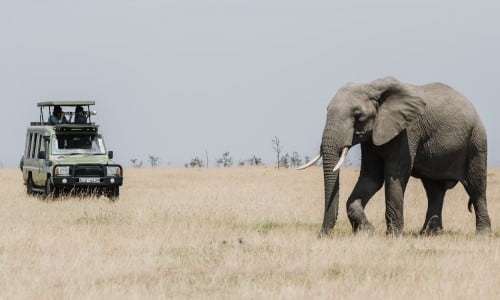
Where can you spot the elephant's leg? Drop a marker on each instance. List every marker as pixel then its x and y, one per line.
pixel 396 179
pixel 370 180
pixel 435 191
pixel 475 185
pixel 365 188
pixel 399 156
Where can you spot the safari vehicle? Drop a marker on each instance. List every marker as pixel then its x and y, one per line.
pixel 68 157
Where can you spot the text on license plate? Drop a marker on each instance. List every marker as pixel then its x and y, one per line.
pixel 89 180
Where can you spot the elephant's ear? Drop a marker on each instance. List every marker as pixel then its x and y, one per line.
pixel 398 107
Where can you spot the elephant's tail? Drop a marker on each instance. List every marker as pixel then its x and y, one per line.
pixel 469 205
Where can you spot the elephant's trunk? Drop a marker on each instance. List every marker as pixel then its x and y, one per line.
pixel 330 155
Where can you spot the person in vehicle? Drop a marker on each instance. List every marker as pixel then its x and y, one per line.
pixel 57 116
pixel 80 117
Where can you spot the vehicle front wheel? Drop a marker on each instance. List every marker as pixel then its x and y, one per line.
pixel 113 194
pixel 50 190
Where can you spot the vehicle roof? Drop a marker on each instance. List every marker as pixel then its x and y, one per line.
pixel 66 103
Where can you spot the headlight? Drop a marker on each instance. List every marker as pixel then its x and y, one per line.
pixel 61 171
pixel 114 171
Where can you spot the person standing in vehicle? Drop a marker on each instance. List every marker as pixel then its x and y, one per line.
pixel 57 116
pixel 80 117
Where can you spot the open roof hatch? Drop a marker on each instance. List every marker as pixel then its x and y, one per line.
pixel 71 103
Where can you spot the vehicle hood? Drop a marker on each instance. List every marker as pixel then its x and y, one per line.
pixel 81 159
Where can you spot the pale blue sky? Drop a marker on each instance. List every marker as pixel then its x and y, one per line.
pixel 176 78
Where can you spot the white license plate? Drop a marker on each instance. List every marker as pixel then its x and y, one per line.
pixel 89 180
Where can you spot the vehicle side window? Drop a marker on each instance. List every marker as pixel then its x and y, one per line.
pixel 34 146
pixel 41 145
pixel 27 151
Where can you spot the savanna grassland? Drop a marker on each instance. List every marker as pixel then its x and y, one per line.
pixel 237 233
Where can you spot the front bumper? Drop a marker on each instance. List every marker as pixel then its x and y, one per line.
pixel 87 182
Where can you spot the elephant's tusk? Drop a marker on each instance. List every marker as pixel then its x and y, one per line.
pixel 312 162
pixel 343 156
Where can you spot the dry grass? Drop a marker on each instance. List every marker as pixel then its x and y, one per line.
pixel 241 233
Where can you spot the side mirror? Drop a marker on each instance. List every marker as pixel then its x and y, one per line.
pixel 41 155
pixel 110 154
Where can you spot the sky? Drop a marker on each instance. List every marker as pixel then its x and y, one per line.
pixel 179 79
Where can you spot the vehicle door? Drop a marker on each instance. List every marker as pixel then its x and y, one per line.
pixel 39 174
pixel 29 161
pixel 25 156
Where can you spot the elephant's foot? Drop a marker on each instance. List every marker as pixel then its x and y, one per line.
pixel 394 229
pixel 395 222
pixel 483 224
pixel 483 229
pixel 432 226
pixel 431 230
pixel 324 233
pixel 326 229
pixel 363 227
pixel 357 217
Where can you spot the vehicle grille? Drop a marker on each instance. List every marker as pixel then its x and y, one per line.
pixel 90 171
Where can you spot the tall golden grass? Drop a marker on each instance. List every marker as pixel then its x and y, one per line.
pixel 238 233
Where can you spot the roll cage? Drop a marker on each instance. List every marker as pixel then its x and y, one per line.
pixel 48 107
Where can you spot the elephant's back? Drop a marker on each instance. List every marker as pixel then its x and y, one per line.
pixel 447 107
pixel 443 134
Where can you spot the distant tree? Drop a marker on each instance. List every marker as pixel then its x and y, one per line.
pixel 136 163
pixel 255 161
pixel 153 160
pixel 226 160
pixel 206 155
pixel 285 161
pixel 241 163
pixel 197 162
pixel 295 160
pixel 277 148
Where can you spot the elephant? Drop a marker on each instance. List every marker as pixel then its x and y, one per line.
pixel 430 132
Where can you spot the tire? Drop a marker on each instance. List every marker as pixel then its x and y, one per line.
pixel 113 193
pixel 50 190
pixel 29 186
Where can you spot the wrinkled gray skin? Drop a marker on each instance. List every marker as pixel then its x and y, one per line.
pixel 429 132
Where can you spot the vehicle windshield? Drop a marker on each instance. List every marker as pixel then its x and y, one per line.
pixel 77 144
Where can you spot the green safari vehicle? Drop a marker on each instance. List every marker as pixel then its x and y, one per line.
pixel 68 157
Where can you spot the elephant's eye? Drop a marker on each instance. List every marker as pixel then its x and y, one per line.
pixel 357 114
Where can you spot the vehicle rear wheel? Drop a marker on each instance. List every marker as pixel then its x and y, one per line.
pixel 29 186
